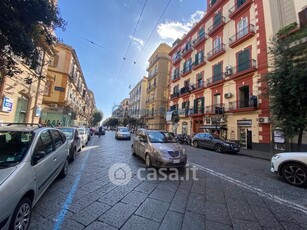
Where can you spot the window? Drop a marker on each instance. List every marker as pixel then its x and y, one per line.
pixel 240 3
pixel 187 65
pixel 199 79
pixel 217 19
pixel 201 32
pixel 47 142
pixel 47 88
pixel 176 73
pixel 199 57
pixel 244 97
pixel 217 44
pixel 186 107
pixel 243 60
pixel 217 72
pixel 199 105
pixel 176 89
pixel 212 2
pixel 242 28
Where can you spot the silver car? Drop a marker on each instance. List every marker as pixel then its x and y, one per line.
pixel 122 133
pixel 158 149
pixel 30 159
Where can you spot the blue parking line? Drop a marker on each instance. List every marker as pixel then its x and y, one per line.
pixel 70 196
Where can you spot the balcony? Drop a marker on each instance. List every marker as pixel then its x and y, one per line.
pixel 175 77
pixel 244 68
pixel 215 79
pixel 199 63
pixel 216 52
pixel 198 86
pixel 187 50
pixel 184 112
pixel 213 5
pixel 186 70
pixel 184 90
pixel 215 109
pixel 175 95
pixel 177 59
pixel 198 111
pixel 199 41
pixel 152 74
pixel 237 9
pixel 216 26
pixel 245 104
pixel 243 35
pixel 149 88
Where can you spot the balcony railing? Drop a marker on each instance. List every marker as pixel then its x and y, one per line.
pixel 238 8
pixel 198 111
pixel 244 34
pixel 186 50
pixel 200 40
pixel 215 52
pixel 244 68
pixel 215 78
pixel 199 62
pixel 177 58
pixel 198 85
pixel 175 95
pixel 184 90
pixel 175 77
pixel 151 87
pixel 217 24
pixel 246 103
pixel 186 70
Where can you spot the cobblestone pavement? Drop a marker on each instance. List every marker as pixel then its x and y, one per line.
pixel 232 192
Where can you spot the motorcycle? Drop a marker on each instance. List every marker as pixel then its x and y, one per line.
pixel 183 139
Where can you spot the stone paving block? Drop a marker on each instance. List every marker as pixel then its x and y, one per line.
pixel 266 218
pixel 90 213
pixel 162 195
pixel 215 196
pixel 140 223
pixel 193 221
pixel 179 202
pixel 114 197
pixel 217 212
pixel 168 185
pixel 217 226
pixel 254 199
pixel 186 185
pixel 54 217
pixel 153 209
pixel 108 187
pixel 95 195
pixel 92 186
pixel 239 224
pixel 196 203
pixel 118 214
pixel 198 188
pixel 280 212
pixel 79 194
pixel 134 198
pixel 97 225
pixel 44 224
pixel 80 204
pixel 69 224
pixel 240 210
pixel 172 221
pixel 299 216
pixel 292 226
pixel 146 187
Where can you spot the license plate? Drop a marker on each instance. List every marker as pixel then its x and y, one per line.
pixel 176 161
pixel 235 148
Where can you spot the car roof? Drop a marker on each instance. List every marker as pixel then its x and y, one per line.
pixel 21 128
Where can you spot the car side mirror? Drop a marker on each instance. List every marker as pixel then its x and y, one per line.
pixel 143 139
pixel 38 156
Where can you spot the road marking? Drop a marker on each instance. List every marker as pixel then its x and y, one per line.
pixel 70 196
pixel 260 192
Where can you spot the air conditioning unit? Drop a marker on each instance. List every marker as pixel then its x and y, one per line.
pixel 227 95
pixel 53 105
pixel 264 120
pixel 208 121
pixel 228 70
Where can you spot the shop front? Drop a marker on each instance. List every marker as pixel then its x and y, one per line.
pixel 245 133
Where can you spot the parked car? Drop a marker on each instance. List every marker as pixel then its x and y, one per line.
pixel 158 149
pixel 83 136
pixel 94 131
pixel 74 141
pixel 30 159
pixel 292 166
pixel 122 133
pixel 215 142
pixel 88 131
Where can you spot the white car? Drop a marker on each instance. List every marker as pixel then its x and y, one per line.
pixel 122 133
pixel 83 136
pixel 292 166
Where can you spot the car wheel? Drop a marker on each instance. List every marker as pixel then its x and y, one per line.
pixel 22 214
pixel 64 171
pixel 147 161
pixel 195 144
pixel 295 174
pixel 218 148
pixel 73 155
pixel 132 150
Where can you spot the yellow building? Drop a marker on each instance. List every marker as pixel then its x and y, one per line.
pixel 67 101
pixel 137 99
pixel 157 90
pixel 218 69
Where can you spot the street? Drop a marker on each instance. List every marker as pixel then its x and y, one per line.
pixel 231 192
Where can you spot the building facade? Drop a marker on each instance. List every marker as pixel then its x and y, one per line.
pixel 157 89
pixel 137 99
pixel 67 100
pixel 122 111
pixel 218 70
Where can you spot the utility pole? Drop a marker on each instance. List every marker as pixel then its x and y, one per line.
pixel 40 77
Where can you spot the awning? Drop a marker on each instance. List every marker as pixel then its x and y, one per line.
pixel 213 127
pixel 169 115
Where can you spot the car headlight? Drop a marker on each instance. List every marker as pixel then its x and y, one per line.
pixel 226 144
pixel 183 151
pixel 276 157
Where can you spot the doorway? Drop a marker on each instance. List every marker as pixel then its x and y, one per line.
pixel 21 110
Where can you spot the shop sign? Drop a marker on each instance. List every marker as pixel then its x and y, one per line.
pixel 244 122
pixel 38 111
pixel 7 104
pixel 61 89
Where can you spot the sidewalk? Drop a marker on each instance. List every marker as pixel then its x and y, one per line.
pixel 257 154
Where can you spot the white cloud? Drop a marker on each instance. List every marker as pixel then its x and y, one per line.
pixel 172 30
pixel 137 41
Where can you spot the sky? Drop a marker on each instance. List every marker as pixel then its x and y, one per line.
pixel 113 43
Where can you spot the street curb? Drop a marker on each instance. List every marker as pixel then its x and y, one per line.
pixel 259 157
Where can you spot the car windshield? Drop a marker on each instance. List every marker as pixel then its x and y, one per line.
pixel 14 146
pixel 161 137
pixel 218 137
pixel 68 132
pixel 81 131
pixel 123 130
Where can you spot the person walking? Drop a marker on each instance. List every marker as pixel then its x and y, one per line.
pixel 100 131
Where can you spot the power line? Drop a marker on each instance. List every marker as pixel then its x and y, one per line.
pixel 137 24
pixel 153 30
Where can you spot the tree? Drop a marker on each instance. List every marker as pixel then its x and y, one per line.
pixel 24 27
pixel 111 122
pixel 97 117
pixel 287 82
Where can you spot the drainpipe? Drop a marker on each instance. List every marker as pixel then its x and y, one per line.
pixel 40 77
